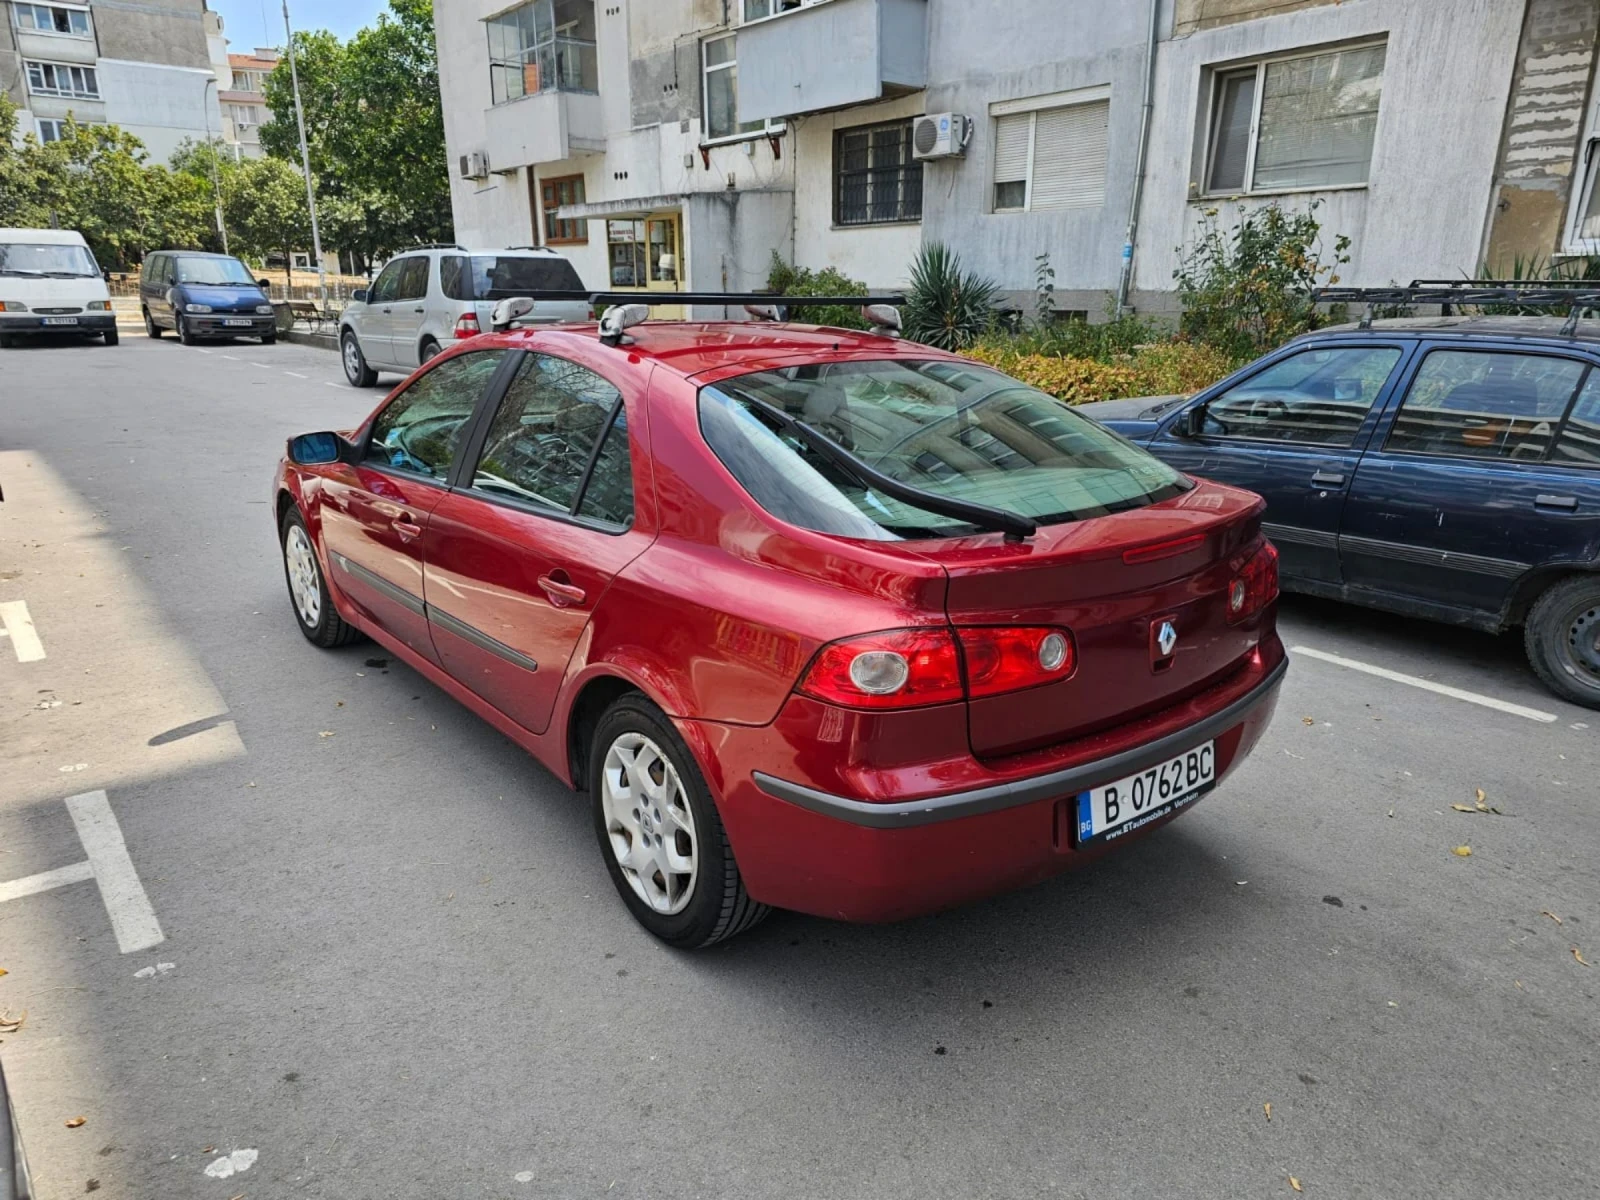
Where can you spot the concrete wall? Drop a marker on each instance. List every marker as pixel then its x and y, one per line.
pixel 1424 212
pixel 729 238
pixel 158 31
pixel 1539 162
pixel 1192 16
pixel 830 55
pixel 162 106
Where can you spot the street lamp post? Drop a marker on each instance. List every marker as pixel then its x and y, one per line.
pixel 211 153
pixel 305 160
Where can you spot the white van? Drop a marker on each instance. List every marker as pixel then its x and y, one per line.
pixel 51 284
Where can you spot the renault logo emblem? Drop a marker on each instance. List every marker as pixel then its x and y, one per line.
pixel 1167 639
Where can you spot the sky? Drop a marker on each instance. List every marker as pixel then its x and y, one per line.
pixel 242 20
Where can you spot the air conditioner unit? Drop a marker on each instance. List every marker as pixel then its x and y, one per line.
pixel 475 166
pixel 940 135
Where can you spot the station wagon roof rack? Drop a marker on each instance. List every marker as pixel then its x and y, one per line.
pixel 1578 296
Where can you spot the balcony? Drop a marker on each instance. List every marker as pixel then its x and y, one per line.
pixel 544 126
pixel 832 54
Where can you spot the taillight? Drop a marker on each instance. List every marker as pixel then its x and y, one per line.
pixel 467 325
pixel 903 668
pixel 1255 586
pixel 909 668
pixel 1010 659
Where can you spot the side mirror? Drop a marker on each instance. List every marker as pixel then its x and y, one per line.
pixel 319 449
pixel 263 284
pixel 359 295
pixel 1191 422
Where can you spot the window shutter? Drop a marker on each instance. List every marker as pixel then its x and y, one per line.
pixel 1011 148
pixel 1069 157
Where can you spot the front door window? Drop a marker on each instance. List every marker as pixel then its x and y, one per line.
pixel 420 430
pixel 1318 397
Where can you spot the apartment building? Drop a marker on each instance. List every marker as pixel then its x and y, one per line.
pixel 244 98
pixel 675 142
pixel 141 64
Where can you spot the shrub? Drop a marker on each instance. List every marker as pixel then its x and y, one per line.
pixel 1163 369
pixel 788 280
pixel 947 307
pixel 1249 291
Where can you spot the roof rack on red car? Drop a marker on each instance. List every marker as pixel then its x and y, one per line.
pixel 882 312
pixel 1578 296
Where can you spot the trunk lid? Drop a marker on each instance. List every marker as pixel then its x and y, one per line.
pixel 1113 581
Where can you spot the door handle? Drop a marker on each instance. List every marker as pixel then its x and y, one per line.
pixel 560 592
pixel 1327 479
pixel 417 310
pixel 1570 503
pixel 388 310
pixel 407 531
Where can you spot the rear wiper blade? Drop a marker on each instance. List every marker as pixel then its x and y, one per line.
pixel 1014 525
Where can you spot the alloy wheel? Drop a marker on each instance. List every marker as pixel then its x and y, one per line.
pixel 352 358
pixel 649 824
pixel 304 584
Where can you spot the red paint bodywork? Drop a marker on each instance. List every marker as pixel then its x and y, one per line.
pixel 713 608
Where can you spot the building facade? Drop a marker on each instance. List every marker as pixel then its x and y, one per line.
pixel 1443 137
pixel 244 99
pixel 141 64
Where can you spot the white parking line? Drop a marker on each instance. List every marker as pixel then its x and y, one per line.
pixel 44 881
pixel 296 375
pixel 263 366
pixel 19 628
pixel 329 383
pixel 132 919
pixel 231 357
pixel 1427 685
pixel 202 351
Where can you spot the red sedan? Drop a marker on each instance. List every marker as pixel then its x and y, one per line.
pixel 821 620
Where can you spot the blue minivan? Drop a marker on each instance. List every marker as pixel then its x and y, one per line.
pixel 1443 467
pixel 200 295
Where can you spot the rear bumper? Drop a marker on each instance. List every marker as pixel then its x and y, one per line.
pixel 97 322
pixel 812 850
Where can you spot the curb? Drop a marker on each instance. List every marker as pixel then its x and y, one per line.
pixel 317 341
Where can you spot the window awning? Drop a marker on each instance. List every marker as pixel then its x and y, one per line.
pixel 632 206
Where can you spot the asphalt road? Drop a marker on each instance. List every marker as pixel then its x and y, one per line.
pixel 398 968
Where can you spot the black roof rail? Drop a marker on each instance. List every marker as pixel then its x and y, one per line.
pixel 432 246
pixel 660 299
pixel 1576 296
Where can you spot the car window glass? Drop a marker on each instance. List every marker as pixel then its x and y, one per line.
pixel 608 496
pixel 1484 404
pixel 539 444
pixel 1579 445
pixel 421 428
pixel 414 280
pixel 169 270
pixel 383 291
pixel 453 279
pixel 1317 397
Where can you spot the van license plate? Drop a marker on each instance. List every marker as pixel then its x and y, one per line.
pixel 60 320
pixel 1113 809
pixel 234 321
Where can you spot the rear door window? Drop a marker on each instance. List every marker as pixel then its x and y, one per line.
pixel 1486 404
pixel 454 280
pixel 414 279
pixel 1579 444
pixel 1318 397
pixel 419 431
pixel 960 431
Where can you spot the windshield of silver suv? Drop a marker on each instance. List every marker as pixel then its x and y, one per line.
pixel 215 272
pixel 958 431
pixel 68 262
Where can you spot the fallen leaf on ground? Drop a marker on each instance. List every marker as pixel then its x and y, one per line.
pixel 1462 852
pixel 1578 954
pixel 1295 1184
pixel 326 733
pixel 74 1122
pixel 3 971
pixel 1463 808
pixel 10 1024
pixel 1268 1108
pixel 1545 912
pixel 1308 720
pixel 1520 988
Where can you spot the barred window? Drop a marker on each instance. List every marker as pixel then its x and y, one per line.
pixel 875 177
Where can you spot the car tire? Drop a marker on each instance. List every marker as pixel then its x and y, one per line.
pixel 355 363
pixel 184 336
pixel 112 337
pixel 7 341
pixel 269 339
pixel 308 590
pixel 687 908
pixel 1562 638
pixel 430 350
pixel 151 329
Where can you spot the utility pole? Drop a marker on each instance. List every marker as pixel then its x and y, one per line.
pixel 211 153
pixel 305 162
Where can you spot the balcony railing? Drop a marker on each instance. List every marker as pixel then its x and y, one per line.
pixel 562 64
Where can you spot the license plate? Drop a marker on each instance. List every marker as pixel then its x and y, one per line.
pixel 60 320
pixel 1113 809
pixel 234 321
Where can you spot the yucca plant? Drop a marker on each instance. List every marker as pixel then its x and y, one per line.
pixel 948 307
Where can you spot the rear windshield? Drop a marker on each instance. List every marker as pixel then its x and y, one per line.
pixel 215 271
pixel 495 278
pixel 960 431
pixel 25 259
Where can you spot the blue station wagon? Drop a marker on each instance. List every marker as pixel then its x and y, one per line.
pixel 1444 467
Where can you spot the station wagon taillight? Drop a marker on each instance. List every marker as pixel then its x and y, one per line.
pixel 1255 586
pixel 467 325
pixel 910 668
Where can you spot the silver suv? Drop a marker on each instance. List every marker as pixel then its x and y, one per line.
pixel 428 297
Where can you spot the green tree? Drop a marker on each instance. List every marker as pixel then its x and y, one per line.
pixel 265 209
pixel 374 131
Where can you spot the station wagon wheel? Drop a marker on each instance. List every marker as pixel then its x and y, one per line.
pixel 308 591
pixel 660 831
pixel 1562 637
